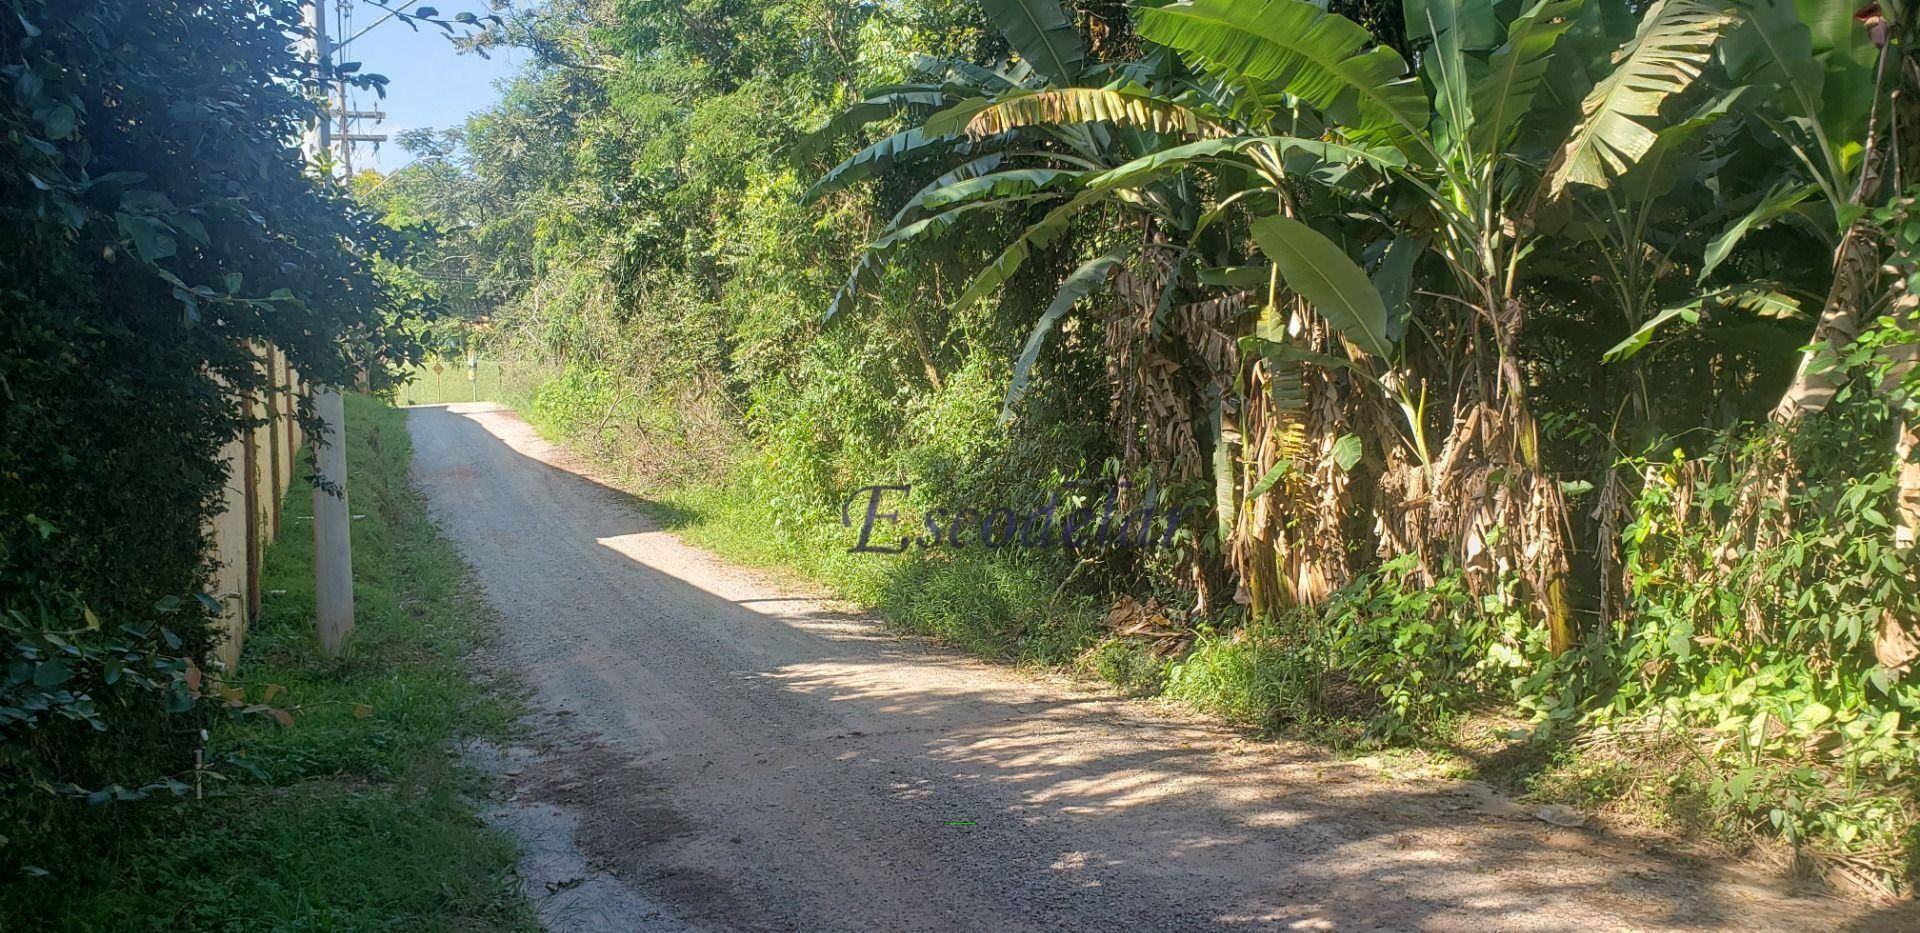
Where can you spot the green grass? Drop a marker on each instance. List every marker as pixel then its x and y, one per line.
pixel 362 816
pixel 997 604
pixel 1003 605
pixel 423 386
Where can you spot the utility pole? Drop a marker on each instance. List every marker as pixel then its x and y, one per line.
pixel 346 126
pixel 320 135
pixel 332 532
pixel 348 136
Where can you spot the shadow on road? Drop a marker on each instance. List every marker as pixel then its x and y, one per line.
pixel 754 759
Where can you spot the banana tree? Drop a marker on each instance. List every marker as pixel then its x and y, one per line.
pixel 1026 138
pixel 1512 110
pixel 1488 86
pixel 1832 94
pixel 1804 75
pixel 1847 112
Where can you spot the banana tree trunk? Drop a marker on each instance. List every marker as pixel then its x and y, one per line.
pixel 1906 312
pixel 1857 275
pixel 1906 451
pixel 1291 543
pixel 1856 264
pixel 1543 531
pixel 1161 382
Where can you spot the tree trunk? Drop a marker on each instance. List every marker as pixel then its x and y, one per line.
pixel 1292 545
pixel 1541 535
pixel 926 355
pixel 1855 263
pixel 1905 448
pixel 1855 266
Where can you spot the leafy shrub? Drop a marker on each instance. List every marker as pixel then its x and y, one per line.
pixel 1133 667
pixel 74 690
pixel 1761 653
pixel 156 226
pixel 1428 649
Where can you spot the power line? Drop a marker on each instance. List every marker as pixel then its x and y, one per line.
pixel 391 13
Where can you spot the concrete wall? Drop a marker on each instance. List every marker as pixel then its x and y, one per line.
pixel 262 463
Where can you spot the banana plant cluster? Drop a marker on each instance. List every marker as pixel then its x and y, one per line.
pixel 1316 262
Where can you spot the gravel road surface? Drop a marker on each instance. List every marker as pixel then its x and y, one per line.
pixel 717 749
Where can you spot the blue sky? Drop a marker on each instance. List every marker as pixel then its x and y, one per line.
pixel 431 84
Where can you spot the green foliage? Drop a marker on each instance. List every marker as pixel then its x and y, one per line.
pixel 1131 666
pixel 1418 293
pixel 157 225
pixel 1675 40
pixel 1320 272
pixel 1040 31
pixel 1325 58
pixel 342 856
pixel 1430 649
pixel 72 686
pixel 1763 657
pixel 355 802
pixel 1404 657
pixel 1263 676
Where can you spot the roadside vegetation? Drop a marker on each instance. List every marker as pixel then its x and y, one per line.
pixel 1537 376
pixel 159 230
pixel 449 384
pixel 1538 373
pixel 343 802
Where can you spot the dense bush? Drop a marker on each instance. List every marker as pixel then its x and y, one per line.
pixel 157 224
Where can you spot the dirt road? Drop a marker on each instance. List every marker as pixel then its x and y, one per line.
pixel 717 751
